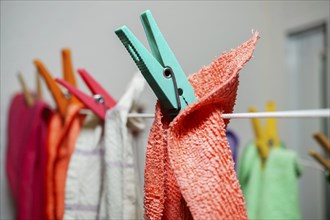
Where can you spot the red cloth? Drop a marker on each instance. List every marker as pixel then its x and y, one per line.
pixel 26 156
pixel 189 170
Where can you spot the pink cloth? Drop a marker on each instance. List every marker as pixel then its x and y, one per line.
pixel 26 156
pixel 189 168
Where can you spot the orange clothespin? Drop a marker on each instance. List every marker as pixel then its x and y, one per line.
pixel 61 101
pixel 325 144
pixel 68 71
pixel 59 98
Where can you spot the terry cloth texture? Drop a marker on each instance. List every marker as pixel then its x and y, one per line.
pixel 279 194
pixel 121 197
pixel 84 176
pixel 250 177
pixel 26 156
pixel 189 168
pixel 55 128
pixel 70 132
pixel 270 193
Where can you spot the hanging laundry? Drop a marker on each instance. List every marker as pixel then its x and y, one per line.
pixel 85 172
pixel 189 168
pixel 54 135
pixel 279 195
pixel 26 156
pixel 63 129
pixel 233 144
pixel 121 197
pixel 60 145
pixel 250 177
pixel 270 192
pixel 65 148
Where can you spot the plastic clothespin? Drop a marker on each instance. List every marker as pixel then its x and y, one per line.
pixel 101 100
pixel 68 72
pixel 271 126
pixel 161 69
pixel 260 137
pixel 61 101
pixel 28 97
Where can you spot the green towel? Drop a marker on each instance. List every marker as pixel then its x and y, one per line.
pixel 250 177
pixel 279 194
pixel 271 193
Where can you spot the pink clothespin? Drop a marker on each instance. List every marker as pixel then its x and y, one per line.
pixel 101 101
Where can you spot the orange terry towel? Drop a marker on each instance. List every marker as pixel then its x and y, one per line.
pixel 54 133
pixel 189 170
pixel 60 145
pixel 73 123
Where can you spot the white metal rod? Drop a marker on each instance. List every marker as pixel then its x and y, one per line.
pixel 317 113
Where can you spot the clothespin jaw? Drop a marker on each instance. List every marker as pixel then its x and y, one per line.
pixel 60 100
pixel 325 144
pixel 96 88
pixel 68 71
pixel 323 141
pixel 271 126
pixel 29 99
pixel 161 69
pixel 260 137
pixel 101 101
pixel 98 108
pixel 323 161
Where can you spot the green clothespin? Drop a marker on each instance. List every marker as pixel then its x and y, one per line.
pixel 161 69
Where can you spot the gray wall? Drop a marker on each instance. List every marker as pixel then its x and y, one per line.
pixel 196 31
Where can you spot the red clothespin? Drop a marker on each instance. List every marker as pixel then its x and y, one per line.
pixel 101 101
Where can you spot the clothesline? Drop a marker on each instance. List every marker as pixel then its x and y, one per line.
pixel 315 113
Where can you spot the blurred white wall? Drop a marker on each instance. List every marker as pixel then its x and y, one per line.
pixel 197 32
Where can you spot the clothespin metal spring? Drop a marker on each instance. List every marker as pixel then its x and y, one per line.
pixel 168 73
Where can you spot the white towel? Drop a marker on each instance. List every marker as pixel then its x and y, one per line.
pixel 84 177
pixel 120 197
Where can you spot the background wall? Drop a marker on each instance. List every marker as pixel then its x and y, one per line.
pixel 196 31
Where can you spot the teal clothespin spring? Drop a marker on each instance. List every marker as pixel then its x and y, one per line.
pixel 161 69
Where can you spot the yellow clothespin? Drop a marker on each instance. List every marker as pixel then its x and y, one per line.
pixel 325 144
pixel 271 126
pixel 260 137
pixel 29 99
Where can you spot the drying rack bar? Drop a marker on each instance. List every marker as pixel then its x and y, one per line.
pixel 316 113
